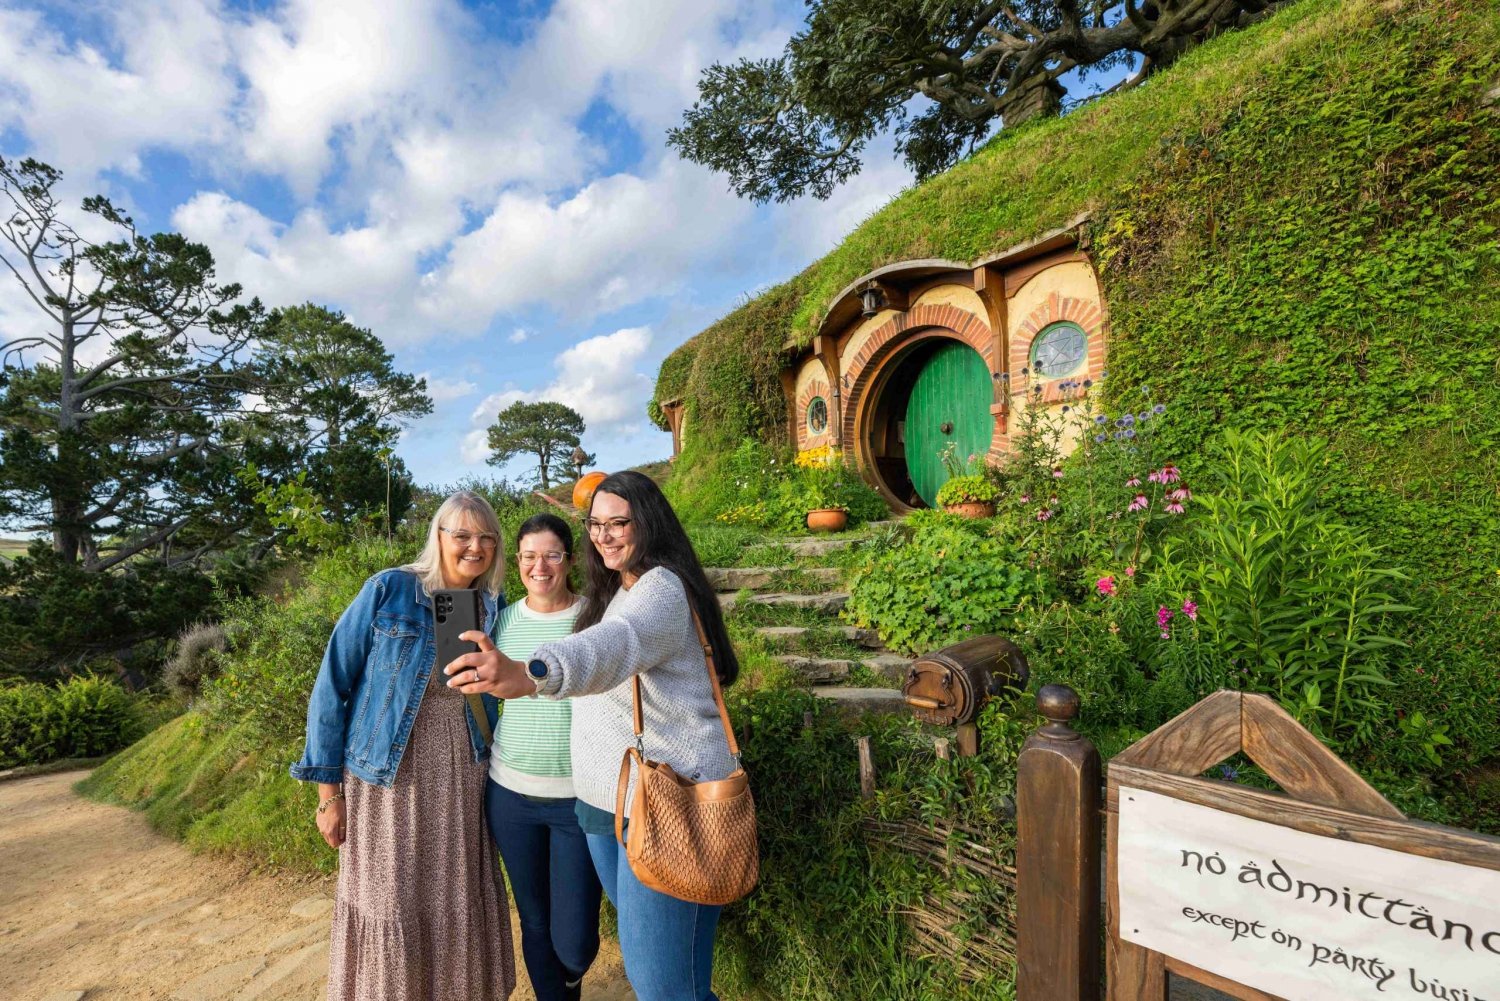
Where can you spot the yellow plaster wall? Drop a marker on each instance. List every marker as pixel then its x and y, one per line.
pixel 811 371
pixel 1073 279
pixel 964 298
pixel 861 334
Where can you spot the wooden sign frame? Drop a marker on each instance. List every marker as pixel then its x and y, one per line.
pixel 1324 796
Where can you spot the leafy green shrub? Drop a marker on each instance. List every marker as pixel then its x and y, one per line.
pixel 949 581
pixel 268 673
pixel 719 544
pixel 83 717
pixel 967 490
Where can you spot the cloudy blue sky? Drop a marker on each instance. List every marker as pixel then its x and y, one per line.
pixel 484 185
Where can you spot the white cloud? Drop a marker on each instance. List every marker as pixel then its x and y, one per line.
pixel 597 377
pixel 447 390
pixel 86 109
pixel 519 335
pixel 619 240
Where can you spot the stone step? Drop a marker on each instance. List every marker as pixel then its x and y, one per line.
pixel 857 701
pixel 792 634
pixel 818 670
pixel 889 665
pixel 817 547
pixel 759 578
pixel 829 604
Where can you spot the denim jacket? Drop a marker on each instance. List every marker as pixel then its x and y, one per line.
pixel 374 672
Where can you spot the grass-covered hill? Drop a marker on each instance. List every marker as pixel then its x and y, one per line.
pixel 1295 226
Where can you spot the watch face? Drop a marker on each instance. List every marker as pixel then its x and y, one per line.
pixel 537 669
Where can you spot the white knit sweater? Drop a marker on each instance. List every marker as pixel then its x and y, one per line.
pixel 647 630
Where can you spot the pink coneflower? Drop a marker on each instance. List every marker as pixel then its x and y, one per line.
pixel 1170 474
pixel 1179 495
pixel 1044 514
pixel 1106 586
pixel 1155 477
pixel 1134 481
pixel 1025 498
pixel 1190 610
pixel 1052 501
pixel 1139 504
pixel 1057 473
pixel 1172 507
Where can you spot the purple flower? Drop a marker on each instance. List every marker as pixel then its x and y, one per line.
pixel 1134 481
pixel 1101 438
pixel 1160 408
pixel 1190 610
pixel 1101 420
pixel 1139 504
pixel 1130 432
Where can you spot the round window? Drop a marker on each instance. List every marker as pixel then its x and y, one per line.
pixel 1059 350
pixel 817 415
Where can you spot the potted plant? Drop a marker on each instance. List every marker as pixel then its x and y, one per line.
pixel 969 496
pixel 823 481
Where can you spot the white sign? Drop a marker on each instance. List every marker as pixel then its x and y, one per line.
pixel 1303 917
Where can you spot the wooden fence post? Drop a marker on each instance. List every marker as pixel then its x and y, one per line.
pixel 1057 858
pixel 866 769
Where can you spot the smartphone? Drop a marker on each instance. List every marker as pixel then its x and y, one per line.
pixel 454 611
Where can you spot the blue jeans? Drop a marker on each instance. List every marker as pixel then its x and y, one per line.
pixel 555 888
pixel 667 944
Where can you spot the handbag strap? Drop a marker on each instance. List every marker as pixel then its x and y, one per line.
pixel 713 680
pixel 481 718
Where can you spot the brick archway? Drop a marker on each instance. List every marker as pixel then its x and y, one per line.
pixel 880 354
pixel 805 436
pixel 1086 313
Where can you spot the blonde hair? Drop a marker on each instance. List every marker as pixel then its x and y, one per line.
pixel 429 565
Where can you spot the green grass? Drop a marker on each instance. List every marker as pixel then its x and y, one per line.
pixel 199 784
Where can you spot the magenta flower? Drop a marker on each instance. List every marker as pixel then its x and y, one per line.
pixel 1190 610
pixel 1130 571
pixel 1139 504
pixel 1164 621
pixel 1025 498
pixel 1106 586
pixel 1134 481
pixel 1044 514
pixel 1057 473
pixel 1170 474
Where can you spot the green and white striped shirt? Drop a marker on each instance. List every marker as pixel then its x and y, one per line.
pixel 531 752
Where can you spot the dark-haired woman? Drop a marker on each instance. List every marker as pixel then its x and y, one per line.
pixel 529 797
pixel 645 585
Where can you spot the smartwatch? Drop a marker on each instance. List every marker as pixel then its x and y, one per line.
pixel 537 669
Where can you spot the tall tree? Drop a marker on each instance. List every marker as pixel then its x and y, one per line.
pixel 338 378
pixel 548 430
pixel 119 392
pixel 798 123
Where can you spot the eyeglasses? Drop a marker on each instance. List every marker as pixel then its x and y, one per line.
pixel 462 538
pixel 529 559
pixel 615 526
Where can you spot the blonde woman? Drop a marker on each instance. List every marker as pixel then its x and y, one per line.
pixel 420 912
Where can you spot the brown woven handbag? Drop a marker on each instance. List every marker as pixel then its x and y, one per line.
pixel 695 841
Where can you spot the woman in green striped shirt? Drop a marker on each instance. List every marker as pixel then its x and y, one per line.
pixel 529 797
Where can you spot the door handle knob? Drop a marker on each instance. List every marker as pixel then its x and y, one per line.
pixel 947 427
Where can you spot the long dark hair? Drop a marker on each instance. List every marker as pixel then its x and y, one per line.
pixel 658 541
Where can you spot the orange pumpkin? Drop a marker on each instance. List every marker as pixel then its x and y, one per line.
pixel 583 490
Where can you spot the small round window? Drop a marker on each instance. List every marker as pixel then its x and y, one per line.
pixel 1059 350
pixel 817 415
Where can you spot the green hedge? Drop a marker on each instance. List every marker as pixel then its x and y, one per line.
pixel 84 717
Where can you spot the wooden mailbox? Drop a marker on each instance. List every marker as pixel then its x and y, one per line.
pixel 1296 896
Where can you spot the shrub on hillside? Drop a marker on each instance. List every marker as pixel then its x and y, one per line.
pixel 951 580
pixel 83 717
pixel 195 660
pixel 761 487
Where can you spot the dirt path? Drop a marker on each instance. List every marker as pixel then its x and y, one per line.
pixel 96 905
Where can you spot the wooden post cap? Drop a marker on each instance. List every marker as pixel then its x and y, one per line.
pixel 1058 703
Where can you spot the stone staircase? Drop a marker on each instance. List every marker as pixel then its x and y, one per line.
pixel 795 608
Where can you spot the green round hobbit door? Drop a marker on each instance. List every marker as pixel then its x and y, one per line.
pixel 950 402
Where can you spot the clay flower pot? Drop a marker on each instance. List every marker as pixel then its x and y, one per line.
pixel 972 509
pixel 827 519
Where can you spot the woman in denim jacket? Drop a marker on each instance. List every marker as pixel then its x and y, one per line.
pixel 400 761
